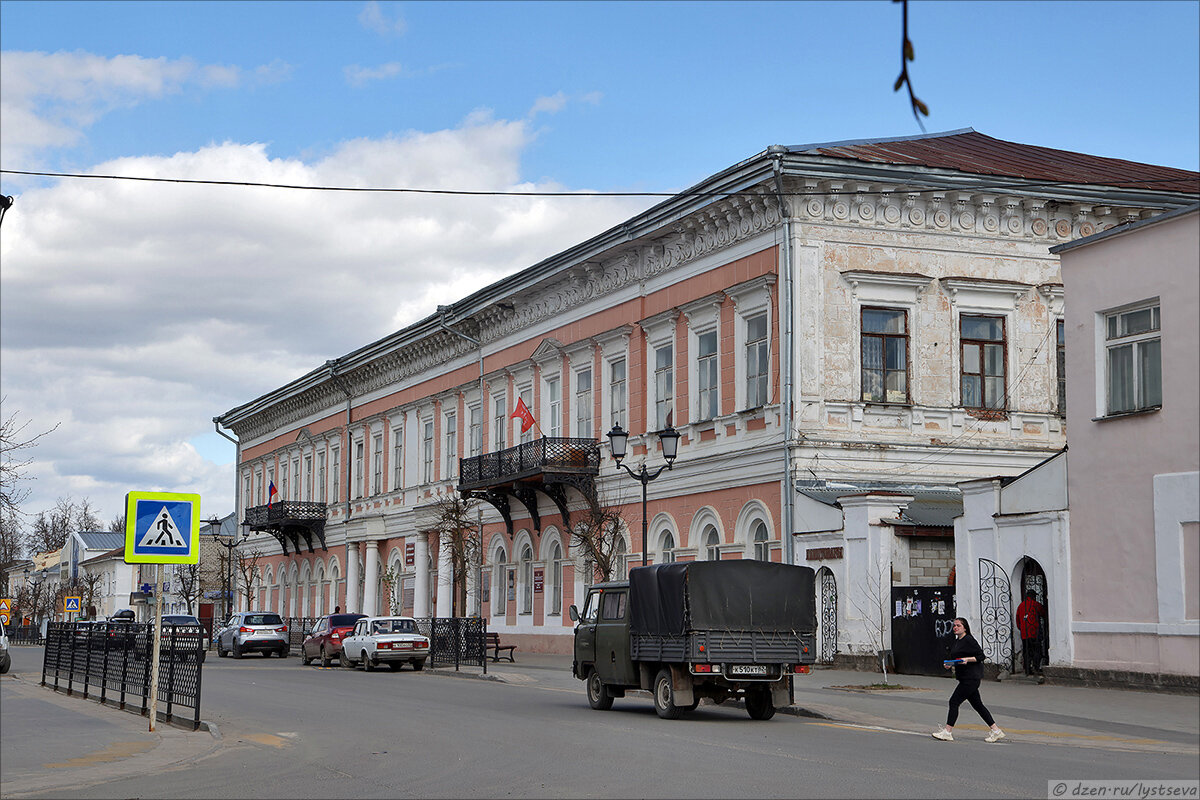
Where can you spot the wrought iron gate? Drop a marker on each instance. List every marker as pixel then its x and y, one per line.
pixel 829 615
pixel 995 609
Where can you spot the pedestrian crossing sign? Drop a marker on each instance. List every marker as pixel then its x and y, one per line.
pixel 162 528
pixel 71 604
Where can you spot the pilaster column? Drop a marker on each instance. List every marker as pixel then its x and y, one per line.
pixel 371 582
pixel 445 578
pixel 421 565
pixel 352 600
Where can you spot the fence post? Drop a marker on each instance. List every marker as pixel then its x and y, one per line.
pixel 87 660
pixel 45 658
pixel 170 671
pixel 146 678
pixel 71 667
pixel 456 630
pixel 124 662
pixel 104 665
pixel 199 674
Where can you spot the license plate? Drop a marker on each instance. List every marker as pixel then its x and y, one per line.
pixel 747 669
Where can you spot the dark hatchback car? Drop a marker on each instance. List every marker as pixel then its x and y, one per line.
pixel 325 641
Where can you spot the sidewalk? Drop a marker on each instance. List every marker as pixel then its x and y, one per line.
pixel 1049 714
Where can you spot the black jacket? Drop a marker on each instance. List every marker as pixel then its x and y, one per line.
pixel 961 648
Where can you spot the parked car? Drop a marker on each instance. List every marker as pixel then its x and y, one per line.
pixel 325 641
pixel 181 627
pixel 385 640
pixel 253 631
pixel 5 657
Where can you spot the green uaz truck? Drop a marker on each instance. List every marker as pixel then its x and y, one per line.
pixel 687 630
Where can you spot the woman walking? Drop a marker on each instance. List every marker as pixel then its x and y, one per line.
pixel 966 656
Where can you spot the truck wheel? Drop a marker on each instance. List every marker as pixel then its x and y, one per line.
pixel 759 704
pixel 664 697
pixel 597 692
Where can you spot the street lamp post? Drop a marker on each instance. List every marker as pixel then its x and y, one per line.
pixel 214 527
pixel 618 439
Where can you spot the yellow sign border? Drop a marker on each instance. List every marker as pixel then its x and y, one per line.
pixel 131 501
pixel 78 603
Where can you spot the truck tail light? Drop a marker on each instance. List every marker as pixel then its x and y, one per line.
pixel 705 668
pixel 803 669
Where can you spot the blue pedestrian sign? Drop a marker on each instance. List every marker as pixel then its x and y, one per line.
pixel 71 604
pixel 162 528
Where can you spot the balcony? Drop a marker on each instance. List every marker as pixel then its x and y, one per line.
pixel 548 465
pixel 289 523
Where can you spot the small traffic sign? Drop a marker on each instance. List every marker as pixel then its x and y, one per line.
pixel 72 604
pixel 4 618
pixel 162 528
pixel 5 604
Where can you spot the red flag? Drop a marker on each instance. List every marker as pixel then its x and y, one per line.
pixel 523 413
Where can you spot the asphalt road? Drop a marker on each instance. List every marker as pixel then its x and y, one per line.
pixel 289 731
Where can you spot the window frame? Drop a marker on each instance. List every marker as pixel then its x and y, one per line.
pixel 663 382
pixel 397 457
pixel 963 343
pixel 708 375
pixel 450 443
pixel 864 335
pixel 377 465
pixel 1136 342
pixel 427 450
pixel 618 392
pixel 584 412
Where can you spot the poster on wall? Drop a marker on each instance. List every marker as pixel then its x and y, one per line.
pixel 410 554
pixel 539 578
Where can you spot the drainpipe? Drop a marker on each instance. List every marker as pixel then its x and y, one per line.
pixel 332 365
pixel 787 346
pixel 237 465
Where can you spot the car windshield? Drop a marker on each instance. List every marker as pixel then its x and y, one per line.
pixel 262 619
pixel 393 626
pixel 344 620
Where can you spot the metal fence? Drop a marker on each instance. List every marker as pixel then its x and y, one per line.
pixel 25 634
pixel 111 662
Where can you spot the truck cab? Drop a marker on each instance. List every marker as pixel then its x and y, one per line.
pixel 602 636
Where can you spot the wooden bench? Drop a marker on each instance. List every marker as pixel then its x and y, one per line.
pixel 494 647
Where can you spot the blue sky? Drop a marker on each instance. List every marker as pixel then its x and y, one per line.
pixel 133 314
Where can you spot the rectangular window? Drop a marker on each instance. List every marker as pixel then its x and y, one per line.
pixel 499 421
pixel 476 431
pixel 427 449
pixel 397 458
pixel 377 464
pixel 358 469
pixel 983 361
pixel 616 394
pixel 336 460
pixel 583 404
pixel 308 479
pixel 450 440
pixel 554 402
pixel 296 478
pixel 706 374
pixel 321 476
pixel 884 355
pixel 1134 359
pixel 757 361
pixel 664 386
pixel 1060 363
pixel 526 396
pixel 283 480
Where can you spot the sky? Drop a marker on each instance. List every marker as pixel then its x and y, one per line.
pixel 132 313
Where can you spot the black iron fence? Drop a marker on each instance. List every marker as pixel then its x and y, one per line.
pixel 460 641
pixel 298 630
pixel 547 454
pixel 25 634
pixel 111 661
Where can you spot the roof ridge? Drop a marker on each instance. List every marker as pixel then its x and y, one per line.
pixel 852 142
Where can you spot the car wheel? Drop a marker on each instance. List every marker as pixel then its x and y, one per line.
pixel 325 660
pixel 304 659
pixel 344 660
pixel 759 704
pixel 283 653
pixel 5 664
pixel 237 650
pixel 368 663
pixel 664 697
pixel 221 652
pixel 419 665
pixel 597 692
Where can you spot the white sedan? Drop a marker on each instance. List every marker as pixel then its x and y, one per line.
pixel 385 640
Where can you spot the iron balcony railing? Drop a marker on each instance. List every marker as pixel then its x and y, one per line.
pixel 555 454
pixel 284 512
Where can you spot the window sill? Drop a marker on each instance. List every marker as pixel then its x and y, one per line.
pixel 885 404
pixel 1141 412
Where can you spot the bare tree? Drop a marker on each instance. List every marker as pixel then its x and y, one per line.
pixel 873 603
pixel 51 528
pixel 12 535
pixel 187 584
pixel 117 525
pixel 250 573
pixel 391 582
pixel 14 458
pixel 598 537
pixel 87 586
pixel 457 525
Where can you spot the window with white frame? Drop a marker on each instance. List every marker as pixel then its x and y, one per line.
pixel 476 416
pixel 712 543
pixel 296 478
pixel 499 421
pixel 270 480
pixel 526 579
pixel 397 458
pixel 757 361
pixel 526 396
pixel 450 443
pixel 308 478
pixel 283 479
pixel 982 342
pixel 358 469
pixel 583 403
pixel 336 462
pixel 427 450
pixel 247 498
pixel 884 342
pixel 620 560
pixel 707 376
pixel 762 543
pixel 556 579
pixel 1133 359
pixel 617 393
pixel 668 548
pixel 554 406
pixel 499 604
pixel 321 476
pixel 664 386
pixel 377 464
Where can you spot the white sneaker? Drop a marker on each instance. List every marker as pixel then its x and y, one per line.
pixel 944 735
pixel 995 736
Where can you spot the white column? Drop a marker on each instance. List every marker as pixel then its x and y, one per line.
pixel 352 602
pixel 421 590
pixel 445 579
pixel 371 582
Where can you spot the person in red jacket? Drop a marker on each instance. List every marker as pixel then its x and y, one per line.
pixel 1029 624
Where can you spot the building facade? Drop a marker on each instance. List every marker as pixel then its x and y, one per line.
pixel 824 321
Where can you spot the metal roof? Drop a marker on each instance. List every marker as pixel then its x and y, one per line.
pixel 101 540
pixel 932 506
pixel 967 150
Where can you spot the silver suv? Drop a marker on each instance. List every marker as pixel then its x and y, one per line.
pixel 255 631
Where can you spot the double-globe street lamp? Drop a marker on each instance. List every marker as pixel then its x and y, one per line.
pixel 214 527
pixel 618 440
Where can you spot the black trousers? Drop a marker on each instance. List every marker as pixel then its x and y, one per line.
pixel 969 691
pixel 1031 655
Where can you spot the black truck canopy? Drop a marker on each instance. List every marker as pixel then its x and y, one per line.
pixel 672 599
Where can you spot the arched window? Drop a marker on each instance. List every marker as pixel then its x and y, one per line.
pixel 712 543
pixel 499 590
pixel 619 560
pixel 668 548
pixel 762 545
pixel 526 580
pixel 556 580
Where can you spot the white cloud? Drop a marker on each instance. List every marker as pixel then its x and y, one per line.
pixel 548 105
pixel 359 76
pixel 133 313
pixel 373 18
